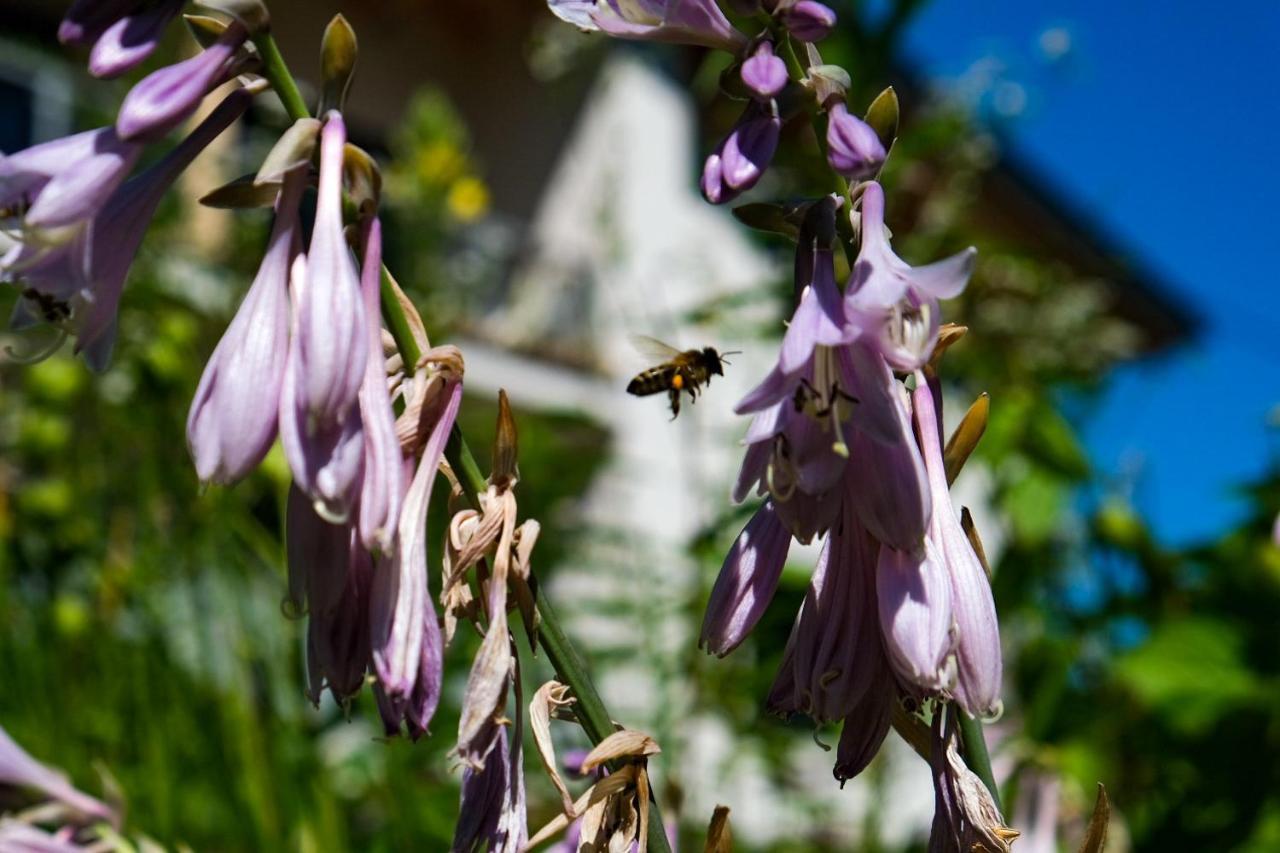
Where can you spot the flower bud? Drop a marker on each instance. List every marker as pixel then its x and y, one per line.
pixel 739 161
pixel 746 583
pixel 808 21
pixel 853 148
pixel 764 73
pixel 125 44
pixel 338 51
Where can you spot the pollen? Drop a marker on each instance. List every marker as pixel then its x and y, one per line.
pixel 677 382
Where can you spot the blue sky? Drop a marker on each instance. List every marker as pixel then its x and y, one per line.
pixel 1161 120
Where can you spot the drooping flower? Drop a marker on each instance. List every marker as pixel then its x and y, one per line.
pixel 18 769
pixel 82 280
pixel 492 814
pixel 979 665
pixel 914 596
pixel 764 73
pixel 697 22
pixel 807 20
pixel 61 183
pixel 746 583
pixel 853 148
pixel 167 97
pixel 896 305
pixel 742 157
pixel 235 414
pixel 320 425
pixel 127 42
pixel 382 488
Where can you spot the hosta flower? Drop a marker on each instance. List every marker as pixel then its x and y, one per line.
pixel 979 664
pixel 698 22
pixel 128 41
pixel 383 486
pixel 78 284
pixel 165 98
pixel 320 425
pixel 894 304
pixel 853 148
pixel 807 20
pixel 764 73
pixel 746 583
pixel 19 770
pixel 914 596
pixel 492 814
pixel 235 414
pixel 739 161
pixel 61 183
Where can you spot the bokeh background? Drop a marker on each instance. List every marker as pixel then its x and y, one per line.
pixel 1113 163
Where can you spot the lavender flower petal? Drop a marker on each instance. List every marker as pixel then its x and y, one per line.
pixel 18 768
pixel 808 20
pixel 129 41
pixel 764 73
pixel 914 595
pixel 853 148
pixel 746 583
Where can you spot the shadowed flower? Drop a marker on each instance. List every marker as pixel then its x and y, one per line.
pixel 85 278
pixel 853 148
pixel 235 414
pixel 746 583
pixel 61 183
pixel 894 304
pixel 739 161
pixel 807 20
pixel 492 814
pixel 914 595
pixel 698 22
pixel 167 97
pixel 127 42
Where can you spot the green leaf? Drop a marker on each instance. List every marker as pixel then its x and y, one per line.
pixel 1190 671
pixel 882 115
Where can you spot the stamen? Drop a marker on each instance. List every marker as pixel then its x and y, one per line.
pixel 40 354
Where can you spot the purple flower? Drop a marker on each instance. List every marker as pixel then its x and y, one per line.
pixel 127 42
pixel 383 488
pixel 85 277
pixel 404 628
pixel 739 161
pixel 764 73
pixel 866 726
pixel 853 148
pixel 86 20
pixel 63 182
pixel 165 98
pixel 320 425
pixel 979 665
pixel 235 414
pixel 835 648
pixel 492 814
pixel 698 22
pixel 746 583
pixel 807 20
pixel 19 769
pixel 914 595
pixel 896 305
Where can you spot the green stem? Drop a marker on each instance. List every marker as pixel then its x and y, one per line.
pixel 274 69
pixel 975 751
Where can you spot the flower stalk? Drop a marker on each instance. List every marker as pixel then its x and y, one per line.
pixel 565 659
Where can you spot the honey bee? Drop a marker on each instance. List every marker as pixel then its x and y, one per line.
pixel 686 370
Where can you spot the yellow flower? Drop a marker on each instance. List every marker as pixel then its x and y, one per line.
pixel 468 199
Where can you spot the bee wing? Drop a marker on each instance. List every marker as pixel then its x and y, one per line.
pixel 653 349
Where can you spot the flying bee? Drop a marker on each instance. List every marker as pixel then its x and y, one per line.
pixel 679 371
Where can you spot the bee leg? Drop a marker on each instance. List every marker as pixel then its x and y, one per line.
pixel 674 396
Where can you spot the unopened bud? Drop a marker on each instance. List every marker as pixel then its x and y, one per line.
pixel 764 73
pixel 506 446
pixel 205 29
pixel 808 20
pixel 882 116
pixel 338 51
pixel 252 13
pixel 364 180
pixel 966 437
pixel 853 147
pixel 295 147
pixel 243 193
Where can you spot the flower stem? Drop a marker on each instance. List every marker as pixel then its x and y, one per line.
pixel 975 752
pixel 277 73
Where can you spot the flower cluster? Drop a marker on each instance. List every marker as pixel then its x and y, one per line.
pixel 77 216
pixel 899 611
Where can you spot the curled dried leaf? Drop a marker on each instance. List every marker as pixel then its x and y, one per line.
pixel 719 836
pixel 549 699
pixel 965 439
pixel 1095 836
pixel 971 532
pixel 627 743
